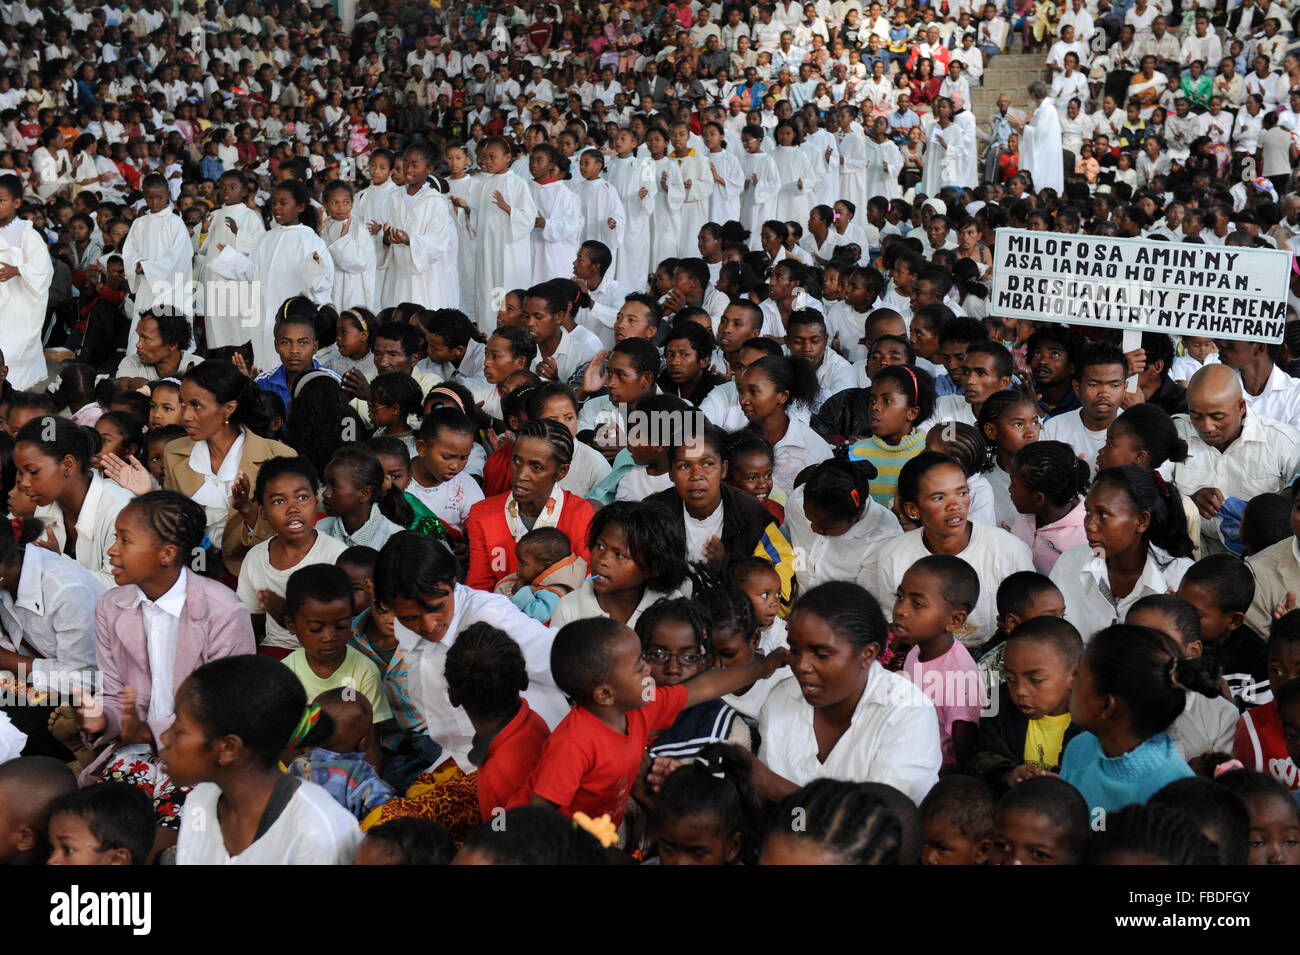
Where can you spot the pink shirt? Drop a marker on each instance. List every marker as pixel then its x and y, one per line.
pixel 1050 542
pixel 952 683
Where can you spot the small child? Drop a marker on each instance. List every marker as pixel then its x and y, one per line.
pixel 845 823
pixel 649 448
pixel 750 463
pixel 439 480
pixel 1217 812
pixel 485 675
pixel 318 611
pixel 1200 351
pixel 546 568
pixel 935 596
pixel 364 508
pixel 337 761
pixel 958 818
pixel 1221 588
pixel 1029 729
pixel 407 840
pixel 965 444
pixel 30 788
pixel 509 350
pixel 1274 816
pixel 394 398
pixel 1154 834
pixel 359 564
pixel 351 348
pixel 1261 744
pixel 155 443
pixel 103 824
pixel 760 582
pixel 165 403
pixel 706 813
pixel 1047 485
pixel 351 248
pixel 598 664
pixel 1042 821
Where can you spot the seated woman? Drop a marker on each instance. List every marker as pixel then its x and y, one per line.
pixel 160 350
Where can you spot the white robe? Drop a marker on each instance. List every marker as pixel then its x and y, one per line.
pixel 462 189
pixel 1040 148
pixel 813 186
pixel 724 204
pixel 665 232
pixel 853 169
pixel 793 200
pixel 371 205
pixel 758 200
pixel 695 205
pixel 556 244
pixel 161 245
pixel 502 242
pixel 423 271
pixel 884 163
pixel 937 143
pixel 22 303
pixel 628 177
pixel 962 160
pixel 820 141
pixel 354 263
pixel 280 267
pixel 599 202
pixel 227 304
pixel 53 172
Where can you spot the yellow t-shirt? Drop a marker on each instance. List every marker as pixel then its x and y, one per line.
pixel 1044 740
pixel 356 671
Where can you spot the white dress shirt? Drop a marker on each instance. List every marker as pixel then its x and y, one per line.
pixel 162 618
pixel 214 495
pixel 96 526
pixel 1280 399
pixel 53 616
pixel 822 558
pixel 1084 582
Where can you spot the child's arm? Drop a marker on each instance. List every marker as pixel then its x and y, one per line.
pixel 718 683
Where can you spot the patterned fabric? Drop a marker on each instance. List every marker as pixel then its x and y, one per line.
pixel 447 796
pixel 347 777
pixel 145 771
pixel 393 670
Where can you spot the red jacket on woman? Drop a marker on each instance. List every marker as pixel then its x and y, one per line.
pixel 492 548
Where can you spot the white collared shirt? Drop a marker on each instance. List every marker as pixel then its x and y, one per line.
pixel 825 558
pixel 581 603
pixel 798 448
pixel 1085 584
pixel 1280 399
pixel 96 526
pixel 53 616
pixel 570 354
pixel 214 494
pixel 373 533
pixel 893 737
pixel 162 618
pixel 426 661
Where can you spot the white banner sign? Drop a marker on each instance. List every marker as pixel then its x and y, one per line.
pixel 1139 285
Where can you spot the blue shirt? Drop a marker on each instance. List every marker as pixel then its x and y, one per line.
pixel 211 168
pixel 790 60
pixel 277 382
pixel 1111 783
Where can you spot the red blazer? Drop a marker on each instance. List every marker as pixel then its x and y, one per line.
pixel 492 548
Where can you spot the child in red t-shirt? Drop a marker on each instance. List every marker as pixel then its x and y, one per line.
pixel 591 761
pixel 1260 744
pixel 485 674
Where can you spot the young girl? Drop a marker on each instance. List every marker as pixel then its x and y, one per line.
pixel 438 471
pixel 235 224
pixel 670 196
pixel 460 185
pixel 509 350
pixel 371 209
pixel 705 813
pixel 23 300
pixel 120 433
pixel 234 718
pixel 288 261
pixel 286 495
pixel 675 643
pixel 351 249
pixel 1137 544
pixel 394 398
pixel 1131 685
pixel 165 403
pixel 363 505
pixel 1008 421
pixel 1047 486
pixel 54 461
pixel 767 390
pixel 901 398
pixel 1145 436
pixel 965 444
pixel 159 535
pixel 635 559
pixel 834 521
pixel 351 348
pixel 750 462
pixel 933 493
pixel 1274 817
pixel 556 401
pixel 420 240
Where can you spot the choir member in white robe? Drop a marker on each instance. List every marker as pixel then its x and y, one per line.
pixel 351 249
pixel 853 162
pixel 290 259
pixel 502 214
pixel 697 183
pixel 633 178
pixel 158 255
pixel 823 143
pixel 793 202
pixel 1040 141
pixel 371 207
pixel 939 136
pixel 600 206
pixel 728 177
pixel 52 167
pixel 963 160
pixel 422 246
pixel 226 302
pixel 461 189
pixel 884 163
pixel 559 214
pixel 665 224
pixel 25 275
pixel 758 199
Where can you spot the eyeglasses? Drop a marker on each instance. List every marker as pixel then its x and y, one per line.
pixel 660 656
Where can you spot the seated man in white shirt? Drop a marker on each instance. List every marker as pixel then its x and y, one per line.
pixel 1268 391
pixel 1231 452
pixel 807 337
pixel 1099 383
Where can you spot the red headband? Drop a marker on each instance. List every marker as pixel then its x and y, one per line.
pixel 16 528
pixel 916 387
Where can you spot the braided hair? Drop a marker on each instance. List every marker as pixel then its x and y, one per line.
pixel 1051 468
pixel 1151 835
pixel 845 820
pixel 553 433
pixel 716 783
pixel 177 520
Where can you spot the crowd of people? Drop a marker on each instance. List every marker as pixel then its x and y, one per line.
pixel 567 433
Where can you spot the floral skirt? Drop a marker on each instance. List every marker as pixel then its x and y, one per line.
pixel 141 768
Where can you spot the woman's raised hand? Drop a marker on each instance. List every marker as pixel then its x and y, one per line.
pixel 129 474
